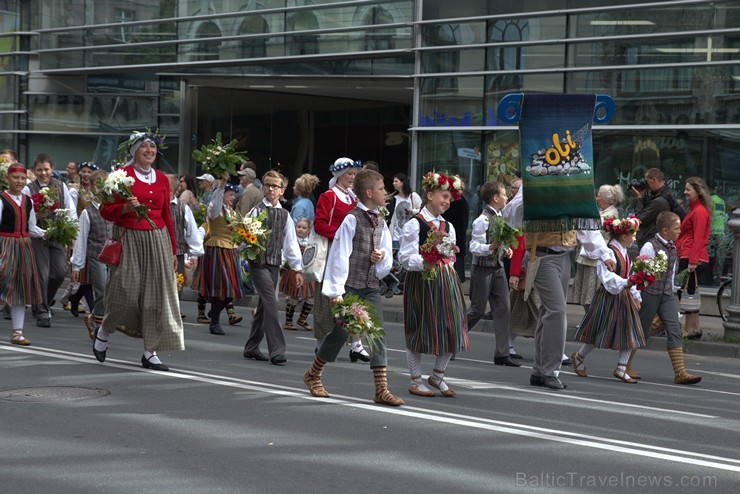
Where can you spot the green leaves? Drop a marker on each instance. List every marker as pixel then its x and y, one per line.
pixel 218 158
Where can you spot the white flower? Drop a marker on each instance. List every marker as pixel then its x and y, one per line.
pixel 457 183
pixel 444 186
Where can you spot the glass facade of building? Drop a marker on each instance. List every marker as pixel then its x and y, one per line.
pixel 413 84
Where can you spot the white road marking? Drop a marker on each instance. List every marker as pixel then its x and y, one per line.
pixel 576 439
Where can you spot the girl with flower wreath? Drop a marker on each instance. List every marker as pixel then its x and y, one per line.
pixel 19 281
pixel 612 320
pixel 435 320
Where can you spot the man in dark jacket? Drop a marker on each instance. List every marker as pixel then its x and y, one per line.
pixel 653 199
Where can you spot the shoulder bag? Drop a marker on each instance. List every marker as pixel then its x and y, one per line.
pixel 110 254
pixel 314 255
pixel 690 302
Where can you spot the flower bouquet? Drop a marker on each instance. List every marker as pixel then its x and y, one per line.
pixel 4 165
pixel 358 318
pixel 119 184
pixel 504 234
pixel 437 248
pixel 250 234
pixel 45 202
pixel 199 213
pixel 219 158
pixel 180 281
pixel 645 269
pixel 62 229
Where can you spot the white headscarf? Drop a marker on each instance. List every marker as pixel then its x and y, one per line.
pixel 135 146
pixel 514 210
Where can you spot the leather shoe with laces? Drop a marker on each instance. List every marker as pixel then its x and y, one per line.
pixel 506 361
pixel 256 356
pixel 278 360
pixel 553 383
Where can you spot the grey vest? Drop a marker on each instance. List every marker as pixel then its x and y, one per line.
pixel 367 238
pixel 663 285
pixel 100 231
pixel 276 220
pixel 491 261
pixel 177 211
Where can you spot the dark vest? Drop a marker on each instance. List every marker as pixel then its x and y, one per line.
pixel 424 229
pixel 55 184
pixel 276 220
pixel 367 238
pixel 100 231
pixel 13 224
pixel 490 261
pixel 664 284
pixel 177 210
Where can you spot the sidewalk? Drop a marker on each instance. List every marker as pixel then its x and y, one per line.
pixel 710 345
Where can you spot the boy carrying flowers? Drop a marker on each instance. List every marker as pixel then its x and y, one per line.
pixel 360 256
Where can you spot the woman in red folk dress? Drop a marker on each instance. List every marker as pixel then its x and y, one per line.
pixel 141 294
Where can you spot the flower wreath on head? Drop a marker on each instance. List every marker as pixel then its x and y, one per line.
pixel 342 163
pixel 434 180
pixel 138 136
pixel 618 226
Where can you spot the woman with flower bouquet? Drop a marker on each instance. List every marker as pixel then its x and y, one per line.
pixel 49 195
pixel 19 280
pixel 612 320
pixel 220 282
pixel 141 294
pixel 435 319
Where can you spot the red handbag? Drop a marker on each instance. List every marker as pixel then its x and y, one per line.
pixel 110 254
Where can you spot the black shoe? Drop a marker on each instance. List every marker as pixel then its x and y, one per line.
pixel 98 355
pixel 695 335
pixel 553 383
pixel 75 310
pixel 488 316
pixel 216 329
pixel 145 363
pixel 256 356
pixel 505 361
pixel 43 323
pixel 355 356
pixel 515 356
pixel 567 361
pixel 536 380
pixel 278 360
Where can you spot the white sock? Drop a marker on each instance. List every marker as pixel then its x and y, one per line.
pixel 512 337
pixel 624 356
pixel 438 377
pixel 357 346
pixel 512 350
pixel 18 316
pixel 420 384
pixel 152 357
pixel 414 361
pixel 101 345
pixel 442 361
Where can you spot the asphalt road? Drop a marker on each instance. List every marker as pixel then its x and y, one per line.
pixel 220 423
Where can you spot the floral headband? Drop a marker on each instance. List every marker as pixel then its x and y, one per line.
pixel 619 227
pixel 232 188
pixel 87 164
pixel 137 137
pixel 434 180
pixel 342 164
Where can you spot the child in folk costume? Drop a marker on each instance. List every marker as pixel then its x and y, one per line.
pixel 87 271
pixel 294 293
pixel 488 282
pixel 612 320
pixel 659 299
pixel 19 281
pixel 360 256
pixel 220 279
pixel 435 320
pixel 281 242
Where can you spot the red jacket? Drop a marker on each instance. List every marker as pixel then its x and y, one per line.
pixel 326 223
pixel 692 242
pixel 155 196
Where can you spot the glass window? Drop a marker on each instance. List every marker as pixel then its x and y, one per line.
pixel 207 50
pixel 303 44
pixel 451 101
pixel 378 39
pixel 254 47
pixel 123 33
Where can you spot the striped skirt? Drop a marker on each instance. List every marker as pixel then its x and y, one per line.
pixel 612 321
pixel 221 274
pixel 435 319
pixel 19 282
pixel 141 293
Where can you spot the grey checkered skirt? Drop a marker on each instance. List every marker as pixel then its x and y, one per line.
pixel 141 293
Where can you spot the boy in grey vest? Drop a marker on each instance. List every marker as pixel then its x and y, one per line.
pixel 659 299
pixel 488 281
pixel 360 256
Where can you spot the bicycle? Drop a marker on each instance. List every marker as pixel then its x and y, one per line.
pixel 725 284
